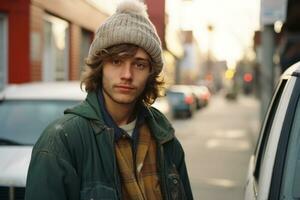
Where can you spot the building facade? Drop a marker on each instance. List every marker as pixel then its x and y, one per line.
pixel 160 14
pixel 45 40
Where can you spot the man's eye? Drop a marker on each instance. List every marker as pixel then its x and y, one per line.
pixel 141 66
pixel 116 62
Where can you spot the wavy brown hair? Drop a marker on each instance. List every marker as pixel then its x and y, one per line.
pixel 92 77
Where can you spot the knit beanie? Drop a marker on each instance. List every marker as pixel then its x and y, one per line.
pixel 129 24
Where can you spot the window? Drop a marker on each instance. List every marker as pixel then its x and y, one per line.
pixel 265 131
pixel 290 187
pixel 23 121
pixel 56 49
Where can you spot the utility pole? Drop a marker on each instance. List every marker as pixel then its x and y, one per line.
pixel 209 70
pixel 271 12
pixel 267 67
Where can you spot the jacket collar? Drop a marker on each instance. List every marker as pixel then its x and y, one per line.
pixel 160 126
pixel 90 109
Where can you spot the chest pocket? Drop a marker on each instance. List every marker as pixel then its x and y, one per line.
pixel 98 191
pixel 175 185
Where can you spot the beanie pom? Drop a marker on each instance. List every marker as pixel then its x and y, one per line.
pixel 132 6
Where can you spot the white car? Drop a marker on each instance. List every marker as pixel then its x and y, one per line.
pixel 163 105
pixel 274 168
pixel 25 111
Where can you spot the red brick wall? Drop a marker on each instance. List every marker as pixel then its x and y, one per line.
pixel 156 11
pixel 18 39
pixel 75 40
pixel 25 32
pixel 36 36
pixel 79 14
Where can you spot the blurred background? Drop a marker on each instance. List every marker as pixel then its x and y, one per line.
pixel 222 62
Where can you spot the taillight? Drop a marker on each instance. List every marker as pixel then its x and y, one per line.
pixel 248 77
pixel 188 99
pixel 205 96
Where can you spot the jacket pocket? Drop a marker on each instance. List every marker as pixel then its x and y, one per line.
pixel 98 191
pixel 175 185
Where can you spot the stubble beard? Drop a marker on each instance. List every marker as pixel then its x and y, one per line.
pixel 133 101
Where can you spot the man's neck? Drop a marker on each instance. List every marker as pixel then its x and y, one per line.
pixel 121 113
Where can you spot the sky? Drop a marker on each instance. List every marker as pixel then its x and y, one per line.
pixel 233 21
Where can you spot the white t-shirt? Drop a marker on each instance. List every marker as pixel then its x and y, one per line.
pixel 129 127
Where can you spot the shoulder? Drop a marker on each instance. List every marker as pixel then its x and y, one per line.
pixel 159 116
pixel 62 134
pixel 67 124
pixel 173 150
pixel 174 146
pixel 160 126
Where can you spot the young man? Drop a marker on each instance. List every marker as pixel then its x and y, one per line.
pixel 114 145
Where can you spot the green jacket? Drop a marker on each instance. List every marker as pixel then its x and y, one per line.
pixel 74 158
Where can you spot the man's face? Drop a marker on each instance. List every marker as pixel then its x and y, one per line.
pixel 124 79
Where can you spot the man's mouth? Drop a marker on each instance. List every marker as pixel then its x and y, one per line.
pixel 124 88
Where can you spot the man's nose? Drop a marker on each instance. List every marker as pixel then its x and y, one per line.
pixel 126 72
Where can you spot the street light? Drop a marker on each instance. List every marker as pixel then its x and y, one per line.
pixel 208 76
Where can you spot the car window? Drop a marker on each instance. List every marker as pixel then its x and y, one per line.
pixel 265 131
pixel 175 97
pixel 22 122
pixel 290 188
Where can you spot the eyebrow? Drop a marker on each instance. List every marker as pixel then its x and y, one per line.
pixel 142 59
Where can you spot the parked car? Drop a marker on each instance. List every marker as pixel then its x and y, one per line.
pixel 163 105
pixel 25 111
pixel 274 168
pixel 202 95
pixel 182 100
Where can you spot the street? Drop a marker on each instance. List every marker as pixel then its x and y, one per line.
pixel 218 142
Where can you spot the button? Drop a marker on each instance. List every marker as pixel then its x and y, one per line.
pixel 175 181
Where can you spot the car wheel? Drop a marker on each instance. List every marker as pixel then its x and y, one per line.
pixel 189 114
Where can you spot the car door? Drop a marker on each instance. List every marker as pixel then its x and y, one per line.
pixel 285 182
pixel 261 163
